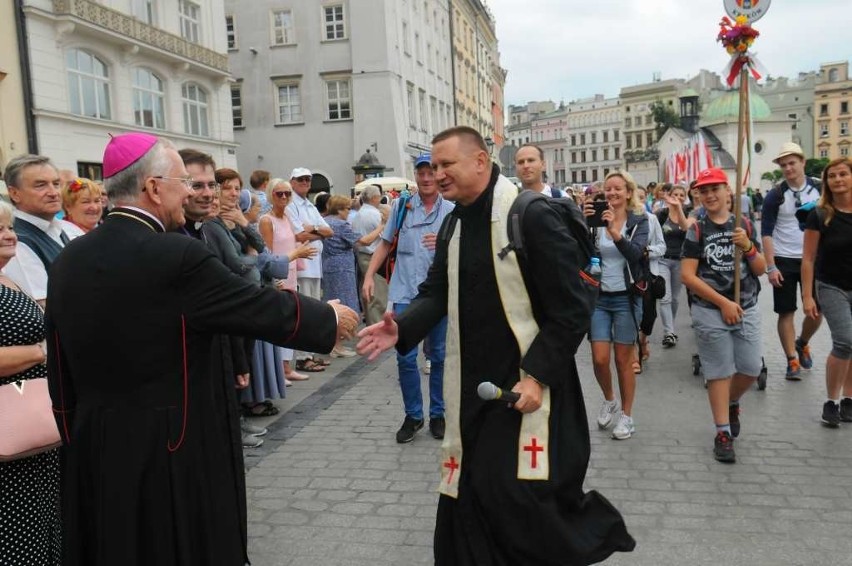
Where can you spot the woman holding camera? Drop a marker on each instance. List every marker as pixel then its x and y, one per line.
pixel 621 243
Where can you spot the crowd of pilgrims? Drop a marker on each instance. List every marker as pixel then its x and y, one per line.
pixel 243 223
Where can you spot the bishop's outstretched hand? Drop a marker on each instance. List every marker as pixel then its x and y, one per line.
pixel 378 337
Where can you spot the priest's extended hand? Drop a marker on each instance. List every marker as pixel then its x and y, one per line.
pixel 378 337
pixel 347 320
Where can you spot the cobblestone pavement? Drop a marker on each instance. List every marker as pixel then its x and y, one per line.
pixel 331 486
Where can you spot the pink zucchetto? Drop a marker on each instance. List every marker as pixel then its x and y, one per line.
pixel 124 150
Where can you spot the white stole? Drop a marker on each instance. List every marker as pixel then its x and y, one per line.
pixel 533 439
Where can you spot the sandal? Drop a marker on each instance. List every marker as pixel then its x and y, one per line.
pixel 321 362
pixel 293 376
pixel 309 365
pixel 637 367
pixel 260 410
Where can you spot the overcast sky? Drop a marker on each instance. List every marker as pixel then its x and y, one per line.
pixel 569 49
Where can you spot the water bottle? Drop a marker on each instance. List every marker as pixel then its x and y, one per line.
pixel 594 268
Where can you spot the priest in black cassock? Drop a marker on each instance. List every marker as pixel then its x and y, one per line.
pixel 511 478
pixel 148 474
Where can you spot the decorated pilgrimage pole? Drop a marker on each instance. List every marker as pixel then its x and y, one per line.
pixel 737 37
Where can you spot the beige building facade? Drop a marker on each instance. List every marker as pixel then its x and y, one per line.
pixel 595 139
pixel 475 55
pixel 833 111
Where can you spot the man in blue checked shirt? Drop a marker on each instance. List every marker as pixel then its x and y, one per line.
pixel 423 215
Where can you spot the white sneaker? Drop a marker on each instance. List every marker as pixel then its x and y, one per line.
pixel 427 367
pixel 624 429
pixel 607 413
pixel 343 352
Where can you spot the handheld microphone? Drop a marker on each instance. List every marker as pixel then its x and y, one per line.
pixel 487 391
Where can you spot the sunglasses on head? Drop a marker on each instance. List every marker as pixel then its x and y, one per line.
pixel 304 179
pixel 280 194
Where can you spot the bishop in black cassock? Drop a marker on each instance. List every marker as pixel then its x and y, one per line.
pixel 148 474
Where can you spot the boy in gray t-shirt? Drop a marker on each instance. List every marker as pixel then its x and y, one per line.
pixel 727 332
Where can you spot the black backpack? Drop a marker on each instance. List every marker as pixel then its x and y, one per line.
pixel 570 214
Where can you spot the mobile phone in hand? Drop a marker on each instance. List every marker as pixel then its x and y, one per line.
pixel 596 220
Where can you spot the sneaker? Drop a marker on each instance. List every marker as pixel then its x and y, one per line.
pixel 670 341
pixel 251 429
pixel 624 429
pixel 804 352
pixel 831 414
pixel 427 367
pixel 408 429
pixel 723 448
pixel 846 410
pixel 250 441
pixel 607 413
pixel 342 352
pixel 734 419
pixel 437 426
pixel 794 370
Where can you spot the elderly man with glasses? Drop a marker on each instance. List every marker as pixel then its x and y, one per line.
pixel 309 226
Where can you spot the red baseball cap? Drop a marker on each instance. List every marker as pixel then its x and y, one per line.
pixel 711 176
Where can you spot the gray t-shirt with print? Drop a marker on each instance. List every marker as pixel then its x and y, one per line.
pixel 713 246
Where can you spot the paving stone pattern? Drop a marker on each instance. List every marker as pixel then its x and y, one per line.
pixel 331 487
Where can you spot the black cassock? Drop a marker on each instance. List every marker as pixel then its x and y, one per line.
pixel 499 520
pixel 149 472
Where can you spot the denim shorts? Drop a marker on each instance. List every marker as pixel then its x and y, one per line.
pixel 727 349
pixel 614 320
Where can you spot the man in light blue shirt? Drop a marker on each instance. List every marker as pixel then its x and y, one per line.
pixel 424 215
pixel 308 226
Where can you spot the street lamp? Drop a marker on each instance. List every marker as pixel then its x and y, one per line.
pixel 490 143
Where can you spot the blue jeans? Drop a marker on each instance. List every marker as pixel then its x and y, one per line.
pixel 409 375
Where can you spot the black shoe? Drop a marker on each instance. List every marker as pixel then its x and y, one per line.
pixel 408 429
pixel 734 418
pixel 670 340
pixel 831 414
pixel 846 410
pixel 723 449
pixel 437 426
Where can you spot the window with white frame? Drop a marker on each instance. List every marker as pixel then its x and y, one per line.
pixel 412 110
pixel 333 22
pixel 237 104
pixel 88 84
pixel 844 128
pixel 406 43
pixel 823 130
pixel 190 15
pixel 231 32
pixel 289 101
pixel 195 119
pixel 823 153
pixel 339 99
pixel 283 31
pixel 149 108
pixel 844 150
pixel 145 11
pixel 433 107
pixel 417 53
pixel 424 112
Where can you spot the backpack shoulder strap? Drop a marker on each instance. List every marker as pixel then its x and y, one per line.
pixel 516 221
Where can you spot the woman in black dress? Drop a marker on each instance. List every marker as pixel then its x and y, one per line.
pixel 29 487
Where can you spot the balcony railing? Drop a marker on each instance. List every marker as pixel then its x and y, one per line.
pixel 130 27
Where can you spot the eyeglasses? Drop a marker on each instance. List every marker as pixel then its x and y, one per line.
pixel 200 185
pixel 188 182
pixel 280 194
pixel 304 179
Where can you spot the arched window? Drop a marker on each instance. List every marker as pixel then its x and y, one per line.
pixel 194 110
pixel 148 100
pixel 88 84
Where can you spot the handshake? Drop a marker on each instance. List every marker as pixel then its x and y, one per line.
pixel 347 320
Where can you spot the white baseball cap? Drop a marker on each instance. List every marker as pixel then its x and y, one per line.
pixel 300 172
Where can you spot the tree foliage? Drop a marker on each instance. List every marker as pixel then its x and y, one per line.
pixel 665 117
pixel 814 167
